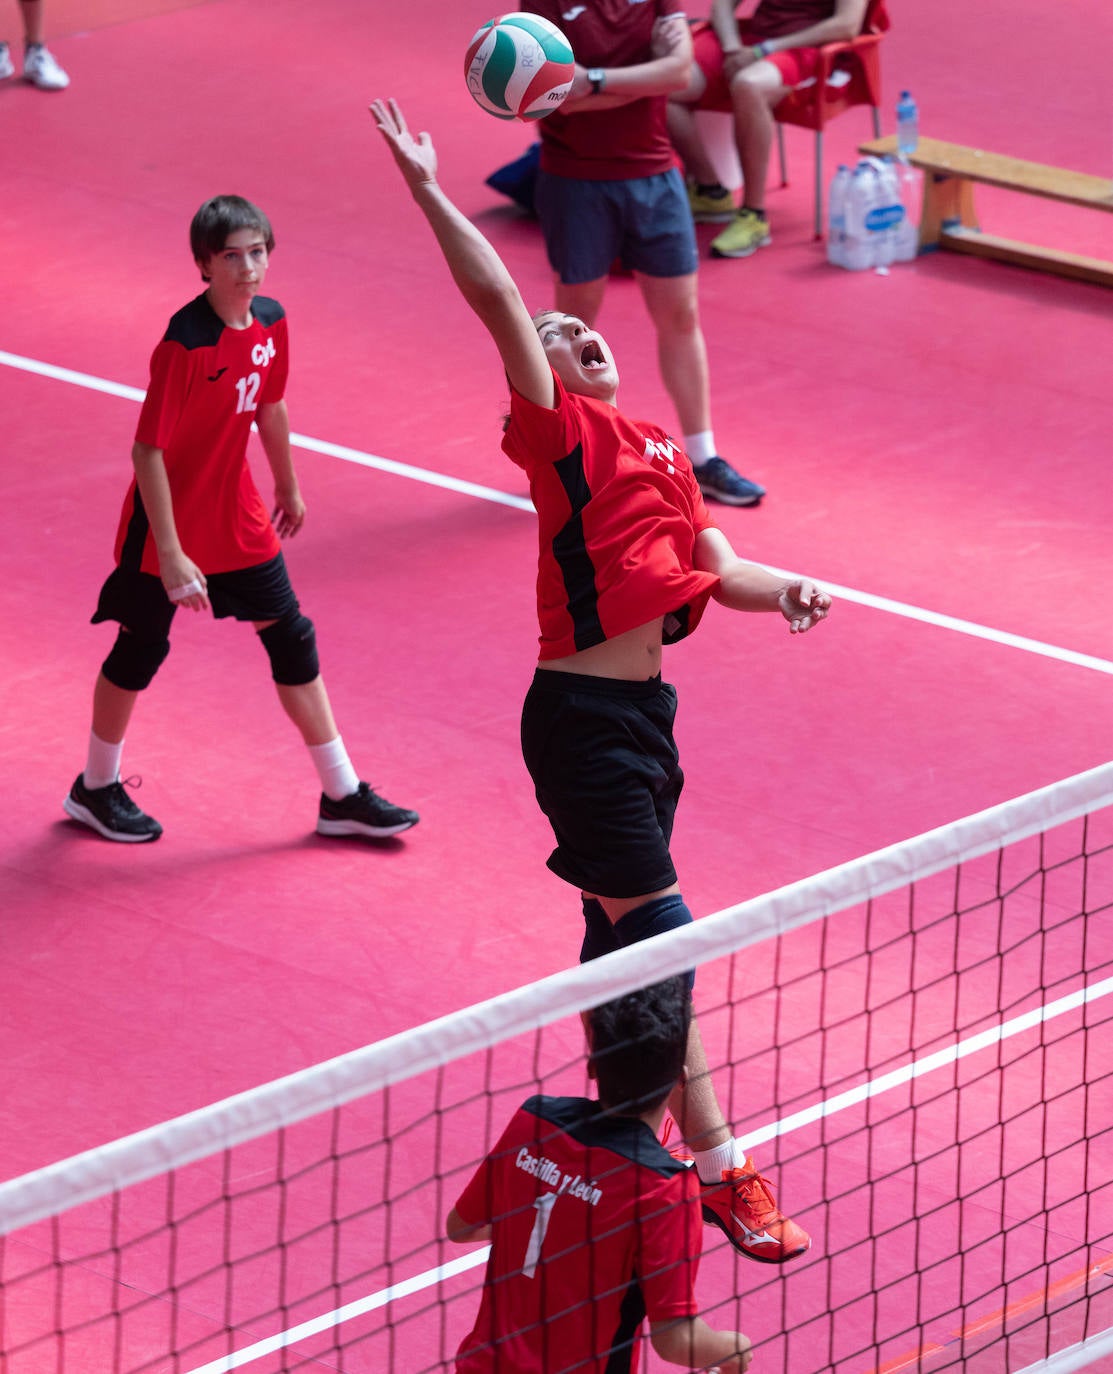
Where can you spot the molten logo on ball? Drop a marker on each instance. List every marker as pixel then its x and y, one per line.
pixel 519 67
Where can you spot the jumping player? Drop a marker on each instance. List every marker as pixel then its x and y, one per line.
pixel 593 1225
pixel 194 531
pixel 629 557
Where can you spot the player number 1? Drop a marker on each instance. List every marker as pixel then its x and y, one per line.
pixel 248 387
pixel 544 1206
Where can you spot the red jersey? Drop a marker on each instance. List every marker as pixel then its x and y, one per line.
pixel 207 382
pixel 595 1227
pixel 618 512
pixel 607 145
pixel 775 18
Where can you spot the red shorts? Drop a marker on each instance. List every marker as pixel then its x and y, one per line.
pixel 795 65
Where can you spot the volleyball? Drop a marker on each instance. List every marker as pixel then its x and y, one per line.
pixel 519 66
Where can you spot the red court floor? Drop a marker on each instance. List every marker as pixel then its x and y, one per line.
pixel 937 437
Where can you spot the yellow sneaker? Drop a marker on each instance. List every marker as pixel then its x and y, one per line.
pixel 711 205
pixel 747 232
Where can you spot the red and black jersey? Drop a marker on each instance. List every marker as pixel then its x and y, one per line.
pixel 595 1226
pixel 207 382
pixel 618 511
pixel 630 140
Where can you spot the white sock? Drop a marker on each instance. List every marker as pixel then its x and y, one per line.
pixel 338 778
pixel 710 1164
pixel 699 447
pixel 103 763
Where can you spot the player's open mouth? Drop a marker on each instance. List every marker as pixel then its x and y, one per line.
pixel 592 356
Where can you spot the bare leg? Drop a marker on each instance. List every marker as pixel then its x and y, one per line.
pixel 673 306
pixel 112 708
pixel 308 707
pixel 688 142
pixel 32 20
pixel 583 299
pixel 754 93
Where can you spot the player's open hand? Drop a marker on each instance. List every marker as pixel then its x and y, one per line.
pixel 803 605
pixel 288 515
pixel 184 582
pixel 416 157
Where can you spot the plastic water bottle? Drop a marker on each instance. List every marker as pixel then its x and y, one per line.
pixel 837 200
pixel 861 199
pixel 908 231
pixel 908 125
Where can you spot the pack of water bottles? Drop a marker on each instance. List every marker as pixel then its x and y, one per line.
pixel 868 222
pixel 871 215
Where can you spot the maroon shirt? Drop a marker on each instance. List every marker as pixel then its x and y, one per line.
pixel 607 145
pixel 775 18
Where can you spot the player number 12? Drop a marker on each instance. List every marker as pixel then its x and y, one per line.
pixel 248 388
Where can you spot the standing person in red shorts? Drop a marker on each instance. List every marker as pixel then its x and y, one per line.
pixel 593 1225
pixel 608 188
pixel 194 531
pixel 750 64
pixel 628 559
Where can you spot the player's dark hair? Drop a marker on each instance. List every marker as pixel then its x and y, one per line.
pixel 638 1045
pixel 217 219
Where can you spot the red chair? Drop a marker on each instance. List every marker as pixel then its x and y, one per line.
pixel 855 67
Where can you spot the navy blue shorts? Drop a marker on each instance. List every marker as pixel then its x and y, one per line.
pixel 607 774
pixel 646 222
pixel 139 601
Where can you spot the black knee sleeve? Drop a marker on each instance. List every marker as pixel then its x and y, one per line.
pixel 654 918
pixel 133 661
pixel 599 933
pixel 291 645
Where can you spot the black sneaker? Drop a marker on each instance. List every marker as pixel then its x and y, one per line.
pixel 111 812
pixel 363 813
pixel 719 482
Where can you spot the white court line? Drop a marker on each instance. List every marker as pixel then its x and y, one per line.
pixel 503 498
pixel 996 1035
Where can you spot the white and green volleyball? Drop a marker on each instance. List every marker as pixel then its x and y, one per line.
pixel 519 66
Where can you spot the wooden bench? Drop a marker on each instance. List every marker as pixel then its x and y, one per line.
pixel 949 220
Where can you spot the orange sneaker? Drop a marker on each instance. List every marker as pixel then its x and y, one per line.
pixel 744 1209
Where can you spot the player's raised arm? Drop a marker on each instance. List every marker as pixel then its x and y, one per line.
pixel 476 268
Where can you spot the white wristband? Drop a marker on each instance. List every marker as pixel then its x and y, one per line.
pixel 190 588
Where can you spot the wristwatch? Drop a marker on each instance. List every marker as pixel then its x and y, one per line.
pixel 598 78
pixel 762 49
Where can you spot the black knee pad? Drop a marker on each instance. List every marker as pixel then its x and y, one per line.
pixel 291 644
pixel 133 661
pixel 654 918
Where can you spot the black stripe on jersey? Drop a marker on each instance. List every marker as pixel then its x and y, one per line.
pixel 627 1136
pixel 266 311
pixel 131 555
pixel 570 551
pixel 197 325
pixel 631 1316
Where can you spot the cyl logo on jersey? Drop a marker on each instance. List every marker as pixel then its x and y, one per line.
pixel 261 354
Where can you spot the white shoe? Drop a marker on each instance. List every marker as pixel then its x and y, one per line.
pixel 40 68
pixel 7 67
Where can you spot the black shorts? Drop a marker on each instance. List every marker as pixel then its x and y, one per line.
pixel 139 601
pixel 607 774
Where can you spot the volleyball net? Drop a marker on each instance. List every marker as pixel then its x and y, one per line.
pixel 917 1046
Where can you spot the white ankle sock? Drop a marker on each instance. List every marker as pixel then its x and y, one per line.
pixel 710 1164
pixel 338 778
pixel 102 766
pixel 700 447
